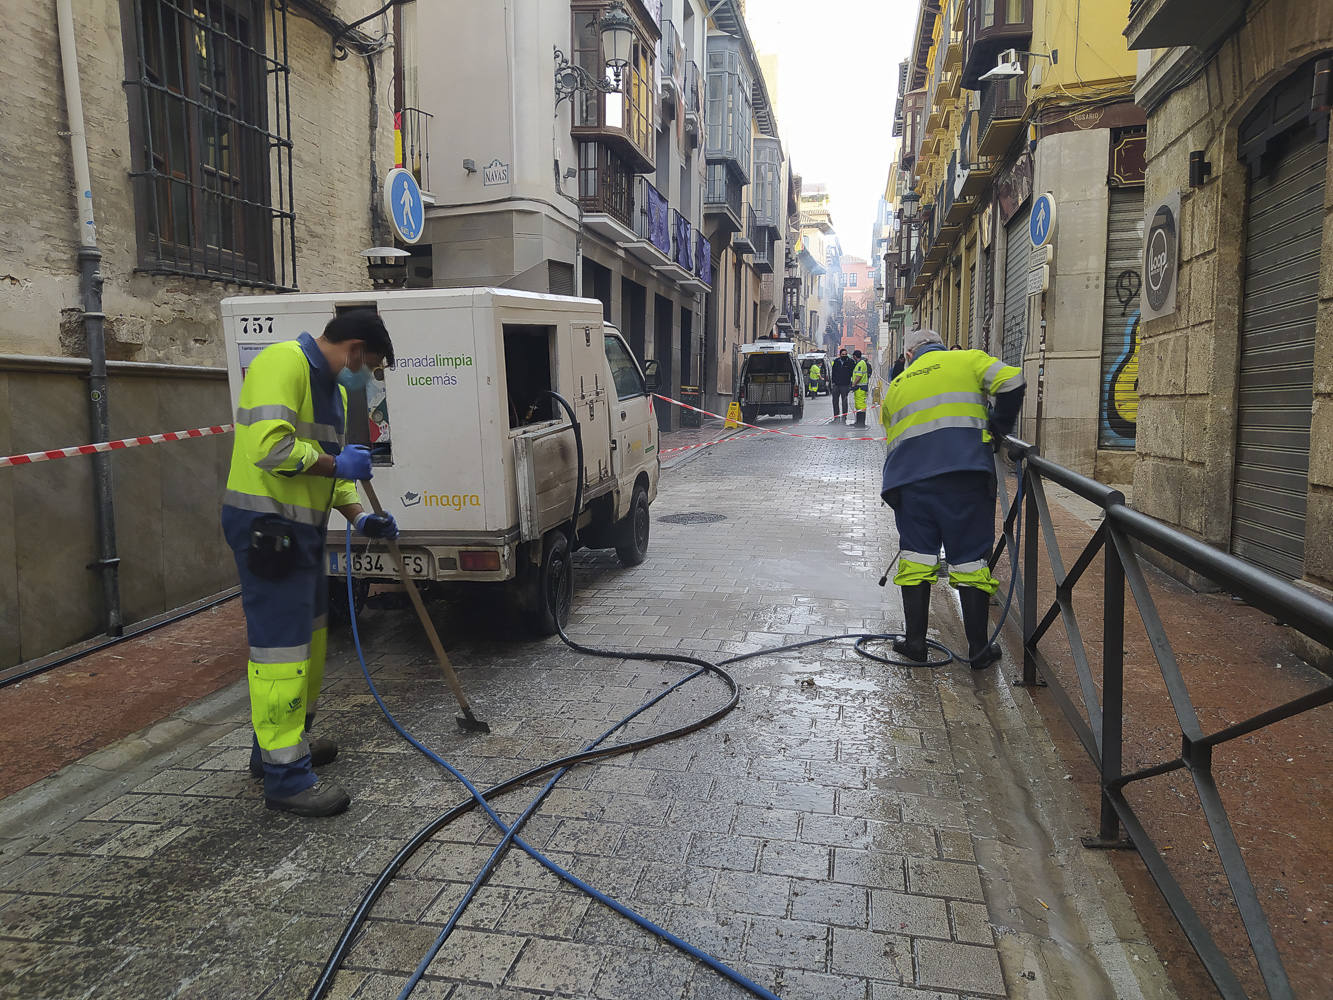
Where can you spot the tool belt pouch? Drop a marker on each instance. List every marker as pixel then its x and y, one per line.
pixel 273 553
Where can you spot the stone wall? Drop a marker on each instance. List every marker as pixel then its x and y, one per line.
pixel 1188 360
pixel 166 496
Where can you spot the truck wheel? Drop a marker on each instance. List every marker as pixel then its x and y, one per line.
pixel 339 615
pixel 799 414
pixel 536 588
pixel 632 531
pixel 749 414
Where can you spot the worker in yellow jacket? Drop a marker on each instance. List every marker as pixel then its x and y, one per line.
pixel 290 464
pixel 860 385
pixel 939 478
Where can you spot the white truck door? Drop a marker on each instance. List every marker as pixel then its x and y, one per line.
pixel 634 431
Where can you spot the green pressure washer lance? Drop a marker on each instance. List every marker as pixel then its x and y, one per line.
pixel 467 720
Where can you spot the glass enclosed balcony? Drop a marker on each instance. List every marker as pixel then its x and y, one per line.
pixel 625 120
pixel 729 114
pixel 724 197
pixel 991 27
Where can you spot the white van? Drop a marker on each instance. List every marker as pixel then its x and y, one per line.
pixel 770 380
pixel 471 456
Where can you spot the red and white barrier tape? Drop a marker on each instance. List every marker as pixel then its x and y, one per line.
pixel 705 444
pixel 766 430
pixel 92 449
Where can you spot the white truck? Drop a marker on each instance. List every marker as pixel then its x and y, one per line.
pixel 471 454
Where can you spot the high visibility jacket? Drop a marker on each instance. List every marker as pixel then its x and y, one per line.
pixel 814 373
pixel 935 415
pixel 861 373
pixel 291 411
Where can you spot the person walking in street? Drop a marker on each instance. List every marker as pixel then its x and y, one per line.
pixel 939 478
pixel 842 384
pixel 860 385
pixel 812 386
pixel 898 367
pixel 289 465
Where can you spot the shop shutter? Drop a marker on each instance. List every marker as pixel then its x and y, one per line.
pixel 1017 261
pixel 1283 235
pixel 1119 404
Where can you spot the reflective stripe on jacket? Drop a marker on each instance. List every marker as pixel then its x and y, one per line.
pixel 935 414
pixel 291 411
pixel 861 373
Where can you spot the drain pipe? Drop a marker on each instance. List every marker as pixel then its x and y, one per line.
pixel 90 295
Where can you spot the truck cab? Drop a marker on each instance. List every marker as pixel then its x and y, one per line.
pixel 473 455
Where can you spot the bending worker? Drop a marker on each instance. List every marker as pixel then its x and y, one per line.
pixel 812 387
pixel 289 465
pixel 860 383
pixel 939 478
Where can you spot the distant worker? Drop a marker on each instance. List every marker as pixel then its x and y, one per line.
pixel 898 367
pixel 812 387
pixel 939 478
pixel 842 383
pixel 860 383
pixel 289 465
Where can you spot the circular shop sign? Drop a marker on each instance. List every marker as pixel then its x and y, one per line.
pixel 1160 254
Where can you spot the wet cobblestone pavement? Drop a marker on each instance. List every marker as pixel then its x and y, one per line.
pixel 851 830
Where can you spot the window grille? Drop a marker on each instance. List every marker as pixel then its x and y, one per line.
pixel 210 108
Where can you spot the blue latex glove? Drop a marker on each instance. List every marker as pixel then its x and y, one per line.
pixel 353 462
pixel 377 525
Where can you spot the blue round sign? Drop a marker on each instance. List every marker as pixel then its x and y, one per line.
pixel 1041 225
pixel 407 212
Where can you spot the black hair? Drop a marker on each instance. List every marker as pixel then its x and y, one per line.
pixel 364 325
pixel 856 354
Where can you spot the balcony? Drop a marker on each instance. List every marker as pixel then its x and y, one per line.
pixel 765 250
pixel 728 115
pixel 956 210
pixel 991 27
pixel 624 120
pixel 703 261
pixel 977 170
pixel 652 225
pixel 1164 24
pixel 745 240
pixel 606 192
pixel 723 198
pixel 1003 105
pixel 411 142
pixel 694 101
pixel 672 66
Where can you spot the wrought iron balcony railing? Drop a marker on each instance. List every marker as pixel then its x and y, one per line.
pixel 683 243
pixel 411 137
pixel 652 215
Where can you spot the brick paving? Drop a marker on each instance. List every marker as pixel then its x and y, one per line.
pixel 850 830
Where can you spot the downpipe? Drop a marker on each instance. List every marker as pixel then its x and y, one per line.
pixel 107 562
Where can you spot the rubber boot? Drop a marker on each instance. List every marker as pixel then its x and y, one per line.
pixel 860 418
pixel 916 613
pixel 324 798
pixel 976 625
pixel 322 752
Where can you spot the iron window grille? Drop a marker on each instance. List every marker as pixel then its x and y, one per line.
pixel 210 112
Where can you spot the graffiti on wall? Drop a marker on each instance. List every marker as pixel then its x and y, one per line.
pixel 1120 393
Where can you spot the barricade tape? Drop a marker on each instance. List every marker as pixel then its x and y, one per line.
pixel 134 442
pixel 705 444
pixel 766 430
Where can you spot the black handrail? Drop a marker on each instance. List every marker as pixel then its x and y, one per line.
pixel 1099 723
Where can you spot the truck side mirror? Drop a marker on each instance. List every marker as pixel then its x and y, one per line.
pixel 650 375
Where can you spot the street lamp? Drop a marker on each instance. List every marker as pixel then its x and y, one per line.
pixel 616 30
pixel 1007 66
pixel 911 206
pixel 387 266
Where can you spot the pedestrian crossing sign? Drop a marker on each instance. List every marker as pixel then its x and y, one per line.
pixel 733 416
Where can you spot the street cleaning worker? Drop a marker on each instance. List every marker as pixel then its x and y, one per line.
pixel 812 387
pixel 939 478
pixel 842 383
pixel 860 383
pixel 289 465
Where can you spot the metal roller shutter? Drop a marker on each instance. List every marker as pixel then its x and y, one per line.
pixel 1283 235
pixel 1017 261
pixel 1119 405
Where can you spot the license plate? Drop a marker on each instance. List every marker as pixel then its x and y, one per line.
pixel 378 562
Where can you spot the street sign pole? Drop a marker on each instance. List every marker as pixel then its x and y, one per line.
pixel 1041 229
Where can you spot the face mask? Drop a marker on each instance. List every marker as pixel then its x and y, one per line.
pixel 354 380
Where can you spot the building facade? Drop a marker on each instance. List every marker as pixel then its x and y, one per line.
pixel 860 319
pixel 1235 440
pixel 1002 103
pixel 231 148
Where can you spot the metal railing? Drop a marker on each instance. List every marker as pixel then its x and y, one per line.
pixel 671 51
pixel 413 127
pixel 1099 723
pixel 1000 101
pixel 683 242
pixel 693 90
pixel 652 218
pixel 703 258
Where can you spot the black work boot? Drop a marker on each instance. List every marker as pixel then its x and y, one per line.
pixel 322 752
pixel 976 625
pixel 860 418
pixel 916 612
pixel 324 798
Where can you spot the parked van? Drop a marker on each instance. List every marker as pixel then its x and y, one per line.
pixel 807 361
pixel 471 456
pixel 770 380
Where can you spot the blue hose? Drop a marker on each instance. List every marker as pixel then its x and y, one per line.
pixel 511 833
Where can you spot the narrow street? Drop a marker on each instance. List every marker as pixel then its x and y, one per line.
pixel 849 830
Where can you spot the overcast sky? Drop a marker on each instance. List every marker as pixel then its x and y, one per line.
pixel 837 76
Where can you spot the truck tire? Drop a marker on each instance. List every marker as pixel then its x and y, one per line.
pixel 340 616
pixel 799 412
pixel 749 414
pixel 536 585
pixel 631 534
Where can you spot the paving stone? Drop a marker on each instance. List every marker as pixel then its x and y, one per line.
pixel 961 967
pixel 876 869
pixel 900 913
pixel 829 903
pixel 957 880
pixel 766 821
pixel 872 955
pixel 759 894
pixel 561 966
pixel 713 850
pixel 971 923
pixel 796 984
pixel 788 944
pixel 645 974
pixel 783 857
